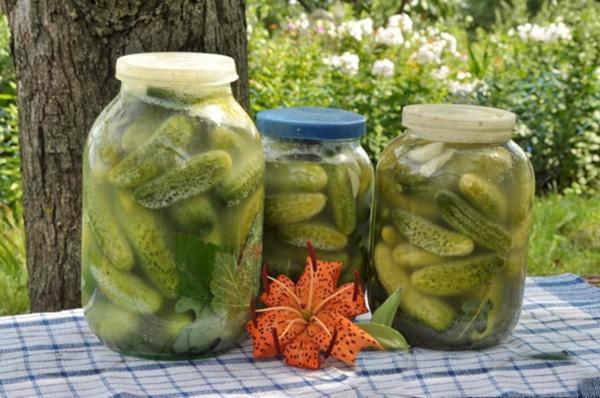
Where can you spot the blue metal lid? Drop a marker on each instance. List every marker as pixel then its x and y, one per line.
pixel 310 123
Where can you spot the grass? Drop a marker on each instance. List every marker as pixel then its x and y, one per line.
pixel 13 274
pixel 565 238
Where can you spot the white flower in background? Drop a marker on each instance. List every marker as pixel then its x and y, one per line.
pixel 450 41
pixel 357 29
pixel 383 68
pixel 401 21
pixel 432 31
pixel 430 53
pixel 440 73
pixel 461 88
pixel 347 63
pixel 389 36
pixel 550 33
pixel 463 75
pixel 293 2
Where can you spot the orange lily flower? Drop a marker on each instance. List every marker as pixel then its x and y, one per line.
pixel 304 319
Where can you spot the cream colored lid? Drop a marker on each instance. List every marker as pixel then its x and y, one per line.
pixel 177 68
pixel 459 123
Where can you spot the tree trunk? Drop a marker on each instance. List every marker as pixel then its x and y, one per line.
pixel 65 52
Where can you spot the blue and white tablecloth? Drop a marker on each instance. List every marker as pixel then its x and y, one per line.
pixel 55 354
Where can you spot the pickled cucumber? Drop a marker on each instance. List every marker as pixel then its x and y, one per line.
pixel 390 236
pixel 245 215
pixel 138 131
pixel 114 325
pixel 104 227
pixel 431 237
pixel 410 255
pixel 295 177
pixel 485 196
pixel 430 310
pixel 196 214
pixel 322 236
pixel 455 277
pixel 157 155
pixel 341 198
pixel 226 139
pixel 471 222
pixel 391 193
pixel 151 245
pixel 198 175
pixel 242 181
pixel 122 288
pixel 287 208
pixel 390 275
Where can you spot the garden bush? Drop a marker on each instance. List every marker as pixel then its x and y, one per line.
pixel 544 68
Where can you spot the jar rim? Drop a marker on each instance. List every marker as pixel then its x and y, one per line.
pixel 177 68
pixel 459 123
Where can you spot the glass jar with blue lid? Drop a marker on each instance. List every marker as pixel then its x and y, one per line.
pixel 318 187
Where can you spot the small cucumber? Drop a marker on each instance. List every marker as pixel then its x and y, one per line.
pixel 485 196
pixel 244 216
pixel 455 277
pixel 524 188
pixel 242 180
pixel 199 174
pixel 391 236
pixel 226 139
pixel 409 255
pixel 322 236
pixel 115 326
pixel 147 236
pixel 389 274
pixel 392 195
pixel 288 208
pixel 139 130
pixel 157 155
pixel 122 288
pixel 432 311
pixel 471 222
pixel 431 237
pixel 196 214
pixel 295 177
pixel 341 198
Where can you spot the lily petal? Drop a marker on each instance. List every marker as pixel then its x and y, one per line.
pixel 280 293
pixel 303 352
pixel 262 337
pixel 345 302
pixel 324 281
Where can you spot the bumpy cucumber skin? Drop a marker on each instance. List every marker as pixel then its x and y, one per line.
pixel 226 139
pixel 455 277
pixel 431 237
pixel 196 214
pixel 462 216
pixel 115 326
pixel 322 236
pixel 288 208
pixel 198 175
pixel 430 310
pixel 389 274
pixel 122 288
pixel 156 155
pixel 245 216
pixel 242 181
pixel 150 243
pixel 295 177
pixel 485 196
pixel 105 228
pixel 341 198
pixel 412 256
pixel 141 128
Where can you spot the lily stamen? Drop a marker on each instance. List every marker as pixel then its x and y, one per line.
pixel 320 323
pixel 281 308
pixel 326 300
pixel 292 294
pixel 289 325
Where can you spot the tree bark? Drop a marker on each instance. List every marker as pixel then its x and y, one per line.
pixel 64 53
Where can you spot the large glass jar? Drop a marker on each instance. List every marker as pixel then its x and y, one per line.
pixel 453 212
pixel 318 186
pixel 172 209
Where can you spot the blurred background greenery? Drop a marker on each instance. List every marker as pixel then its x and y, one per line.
pixel 538 58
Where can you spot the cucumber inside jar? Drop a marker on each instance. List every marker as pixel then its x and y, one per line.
pixel 173 228
pixel 444 233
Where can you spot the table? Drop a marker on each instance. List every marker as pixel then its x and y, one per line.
pixel 56 355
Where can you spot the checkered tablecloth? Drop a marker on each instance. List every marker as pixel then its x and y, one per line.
pixel 55 354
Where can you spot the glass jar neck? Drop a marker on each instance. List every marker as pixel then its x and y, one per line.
pixel 451 135
pixel 165 90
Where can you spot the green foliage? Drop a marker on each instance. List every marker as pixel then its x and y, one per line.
pixel 566 236
pixel 10 176
pixel 13 274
